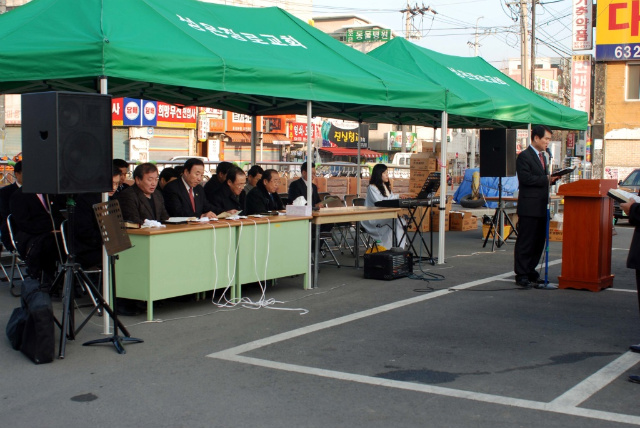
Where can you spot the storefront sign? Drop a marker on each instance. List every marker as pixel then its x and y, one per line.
pixel 170 116
pixel 216 125
pixel 395 140
pixel 581 83
pixel 547 86
pixel 582 34
pixel 238 122
pixel 618 30
pixel 203 127
pixel 368 35
pixel 12 107
pixel 297 131
pixel 344 134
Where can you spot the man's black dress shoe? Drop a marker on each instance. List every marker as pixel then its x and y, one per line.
pixel 635 348
pixel 634 378
pixel 537 281
pixel 524 283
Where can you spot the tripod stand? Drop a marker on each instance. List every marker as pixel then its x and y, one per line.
pixel 496 229
pixel 70 271
pixel 115 240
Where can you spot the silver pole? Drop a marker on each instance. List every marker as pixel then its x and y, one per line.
pixel 106 272
pixel 443 185
pixel 309 189
pixel 254 138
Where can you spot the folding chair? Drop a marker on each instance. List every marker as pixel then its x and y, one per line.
pixel 365 238
pixel 16 261
pixel 339 228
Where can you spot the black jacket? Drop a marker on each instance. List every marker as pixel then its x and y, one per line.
pixel 259 201
pixel 298 188
pixel 30 219
pixel 633 259
pixel 5 198
pixel 178 203
pixel 136 208
pixel 226 200
pixel 533 185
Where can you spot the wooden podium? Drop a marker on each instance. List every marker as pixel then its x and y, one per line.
pixel 587 232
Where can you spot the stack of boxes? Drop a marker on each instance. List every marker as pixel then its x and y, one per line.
pixel 462 221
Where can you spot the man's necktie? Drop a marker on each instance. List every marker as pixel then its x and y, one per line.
pixel 193 201
pixel 541 156
pixel 44 204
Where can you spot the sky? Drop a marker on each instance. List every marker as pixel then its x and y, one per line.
pixel 454 25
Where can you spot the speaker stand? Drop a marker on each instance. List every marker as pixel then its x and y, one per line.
pixel 497 223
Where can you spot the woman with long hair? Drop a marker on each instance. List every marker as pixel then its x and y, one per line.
pixel 380 189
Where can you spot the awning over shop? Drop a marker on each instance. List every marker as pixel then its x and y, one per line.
pixel 342 151
pixel 238 137
pixel 275 138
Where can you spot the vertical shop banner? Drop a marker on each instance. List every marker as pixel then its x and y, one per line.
pixel 341 133
pixel 203 127
pixel 581 83
pixel 582 33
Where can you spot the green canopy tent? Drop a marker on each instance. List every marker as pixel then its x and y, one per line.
pixel 255 61
pixel 478 94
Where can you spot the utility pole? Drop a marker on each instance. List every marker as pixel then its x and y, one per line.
pixel 410 14
pixel 524 47
pixel 533 43
pixel 474 133
pixel 3 126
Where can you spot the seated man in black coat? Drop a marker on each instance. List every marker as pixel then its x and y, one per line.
pixel 299 187
pixel 213 185
pixel 143 201
pixel 87 240
pixel 185 197
pixel 5 197
pixel 35 220
pixel 230 196
pixel 264 197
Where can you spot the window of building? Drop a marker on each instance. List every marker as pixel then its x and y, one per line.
pixel 373 126
pixel 633 81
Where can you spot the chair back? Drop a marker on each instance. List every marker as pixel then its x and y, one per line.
pixel 324 195
pixel 334 202
pixel 10 227
pixel 348 199
pixel 358 202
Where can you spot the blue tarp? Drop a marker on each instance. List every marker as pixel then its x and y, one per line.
pixel 488 187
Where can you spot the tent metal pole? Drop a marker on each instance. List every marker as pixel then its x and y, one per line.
pixel 358 160
pixel 106 274
pixel 443 185
pixel 310 280
pixel 254 139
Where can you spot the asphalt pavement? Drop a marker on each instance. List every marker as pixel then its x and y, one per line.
pixel 456 345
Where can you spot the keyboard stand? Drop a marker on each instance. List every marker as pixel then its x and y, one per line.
pixel 418 225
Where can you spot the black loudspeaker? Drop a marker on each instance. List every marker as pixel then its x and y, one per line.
pixel 498 152
pixel 66 143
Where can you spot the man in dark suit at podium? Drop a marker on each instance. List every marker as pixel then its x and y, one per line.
pixel 532 168
pixel 632 209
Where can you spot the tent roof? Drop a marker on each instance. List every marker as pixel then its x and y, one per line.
pixel 247 60
pixel 477 92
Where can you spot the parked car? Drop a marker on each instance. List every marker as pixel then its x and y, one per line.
pixel 629 184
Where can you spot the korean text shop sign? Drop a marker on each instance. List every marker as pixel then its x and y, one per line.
pixel 137 112
pixel 618 30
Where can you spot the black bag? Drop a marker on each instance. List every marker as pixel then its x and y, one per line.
pixel 38 337
pixel 15 327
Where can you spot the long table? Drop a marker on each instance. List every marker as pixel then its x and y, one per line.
pixel 194 258
pixel 344 215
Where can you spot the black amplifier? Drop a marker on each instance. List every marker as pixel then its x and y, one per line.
pixel 388 265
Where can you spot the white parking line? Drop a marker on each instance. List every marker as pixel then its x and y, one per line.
pixel 565 404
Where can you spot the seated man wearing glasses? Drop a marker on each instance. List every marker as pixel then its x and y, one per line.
pixel 229 197
pixel 143 201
